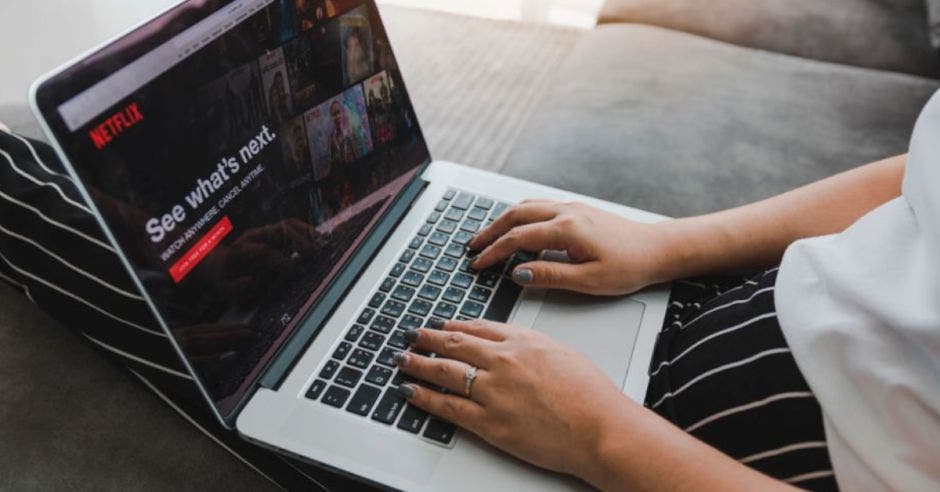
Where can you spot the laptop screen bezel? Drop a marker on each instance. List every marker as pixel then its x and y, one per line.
pixel 49 92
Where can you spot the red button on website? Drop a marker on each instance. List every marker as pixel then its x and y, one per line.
pixel 197 253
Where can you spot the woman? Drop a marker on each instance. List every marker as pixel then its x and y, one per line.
pixel 824 372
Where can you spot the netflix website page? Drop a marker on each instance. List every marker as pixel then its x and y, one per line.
pixel 240 180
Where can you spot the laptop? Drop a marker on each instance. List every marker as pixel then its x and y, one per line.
pixel 260 170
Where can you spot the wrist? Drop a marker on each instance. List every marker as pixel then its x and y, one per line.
pixel 602 465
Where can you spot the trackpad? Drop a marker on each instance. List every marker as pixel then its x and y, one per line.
pixel 602 328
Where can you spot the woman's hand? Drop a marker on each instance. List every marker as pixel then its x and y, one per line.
pixel 611 255
pixel 532 397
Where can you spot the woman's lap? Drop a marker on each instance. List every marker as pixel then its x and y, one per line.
pixel 723 372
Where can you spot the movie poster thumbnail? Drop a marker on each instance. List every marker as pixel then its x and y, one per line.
pixel 338 132
pixel 356 45
pixel 378 92
pixel 275 85
pixel 313 66
pixel 233 108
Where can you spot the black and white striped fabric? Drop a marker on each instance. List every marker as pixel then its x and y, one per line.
pixel 723 372
pixel 54 252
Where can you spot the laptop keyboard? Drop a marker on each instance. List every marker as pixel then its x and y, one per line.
pixel 431 279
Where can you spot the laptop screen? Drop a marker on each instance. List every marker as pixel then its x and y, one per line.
pixel 239 152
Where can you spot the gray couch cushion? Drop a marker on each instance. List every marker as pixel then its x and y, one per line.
pixel 884 34
pixel 680 125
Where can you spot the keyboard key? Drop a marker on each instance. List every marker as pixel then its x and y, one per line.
pixel 366 316
pixel 454 250
pixel 387 357
pixel 445 310
pixel 397 340
pixel 438 238
pixel 498 210
pixel 410 322
pixel 472 309
pixel 503 301
pixel 465 266
pixel 379 376
pixel 360 358
pixel 462 238
pixel 413 419
pixel 419 307
pixel 412 278
pixel 477 214
pixel 463 201
pixel 389 407
pixel 429 292
pixel 349 377
pixel 484 203
pixel 354 333
pixel 453 295
pixel 454 214
pixel 422 265
pixel 447 264
pixel 363 400
pixel 402 378
pixel 341 351
pixel 416 242
pixel 434 217
pixel 397 270
pixel 403 293
pixel 488 278
pixel 372 341
pixel 425 230
pixel 480 294
pixel 462 280
pixel 315 389
pixel 377 300
pixel 471 225
pixel 438 277
pixel 430 251
pixel 440 431
pixel 393 308
pixel 387 284
pixel 449 195
pixel 383 324
pixel 329 369
pixel 441 206
pixel 407 256
pixel 447 226
pixel 336 396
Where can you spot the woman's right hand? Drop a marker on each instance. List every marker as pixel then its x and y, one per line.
pixel 610 255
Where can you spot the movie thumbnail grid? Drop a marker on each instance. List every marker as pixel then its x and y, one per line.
pixel 333 93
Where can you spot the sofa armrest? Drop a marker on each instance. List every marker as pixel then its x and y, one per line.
pixel 881 34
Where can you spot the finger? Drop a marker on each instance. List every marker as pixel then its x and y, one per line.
pixel 488 330
pixel 446 373
pixel 531 237
pixel 459 410
pixel 453 345
pixel 554 275
pixel 525 213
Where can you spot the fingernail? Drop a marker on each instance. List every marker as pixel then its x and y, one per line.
pixel 436 323
pixel 407 390
pixel 522 275
pixel 400 358
pixel 411 336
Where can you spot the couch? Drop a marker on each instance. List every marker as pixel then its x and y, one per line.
pixel 676 106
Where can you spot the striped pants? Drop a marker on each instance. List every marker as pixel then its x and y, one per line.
pixel 723 372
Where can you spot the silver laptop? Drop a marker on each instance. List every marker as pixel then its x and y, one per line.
pixel 261 172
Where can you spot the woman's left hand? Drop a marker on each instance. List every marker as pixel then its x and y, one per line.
pixel 532 397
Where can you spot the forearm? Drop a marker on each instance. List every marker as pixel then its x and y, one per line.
pixel 756 235
pixel 638 450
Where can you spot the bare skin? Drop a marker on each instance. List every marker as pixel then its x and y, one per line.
pixel 545 403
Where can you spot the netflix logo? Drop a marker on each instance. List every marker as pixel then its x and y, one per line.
pixel 116 124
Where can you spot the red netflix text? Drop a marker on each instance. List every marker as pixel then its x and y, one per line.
pixel 116 124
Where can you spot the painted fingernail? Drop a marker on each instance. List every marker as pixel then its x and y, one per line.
pixel 407 390
pixel 411 336
pixel 436 323
pixel 522 275
pixel 400 358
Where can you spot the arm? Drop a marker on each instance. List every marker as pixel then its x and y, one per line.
pixel 756 235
